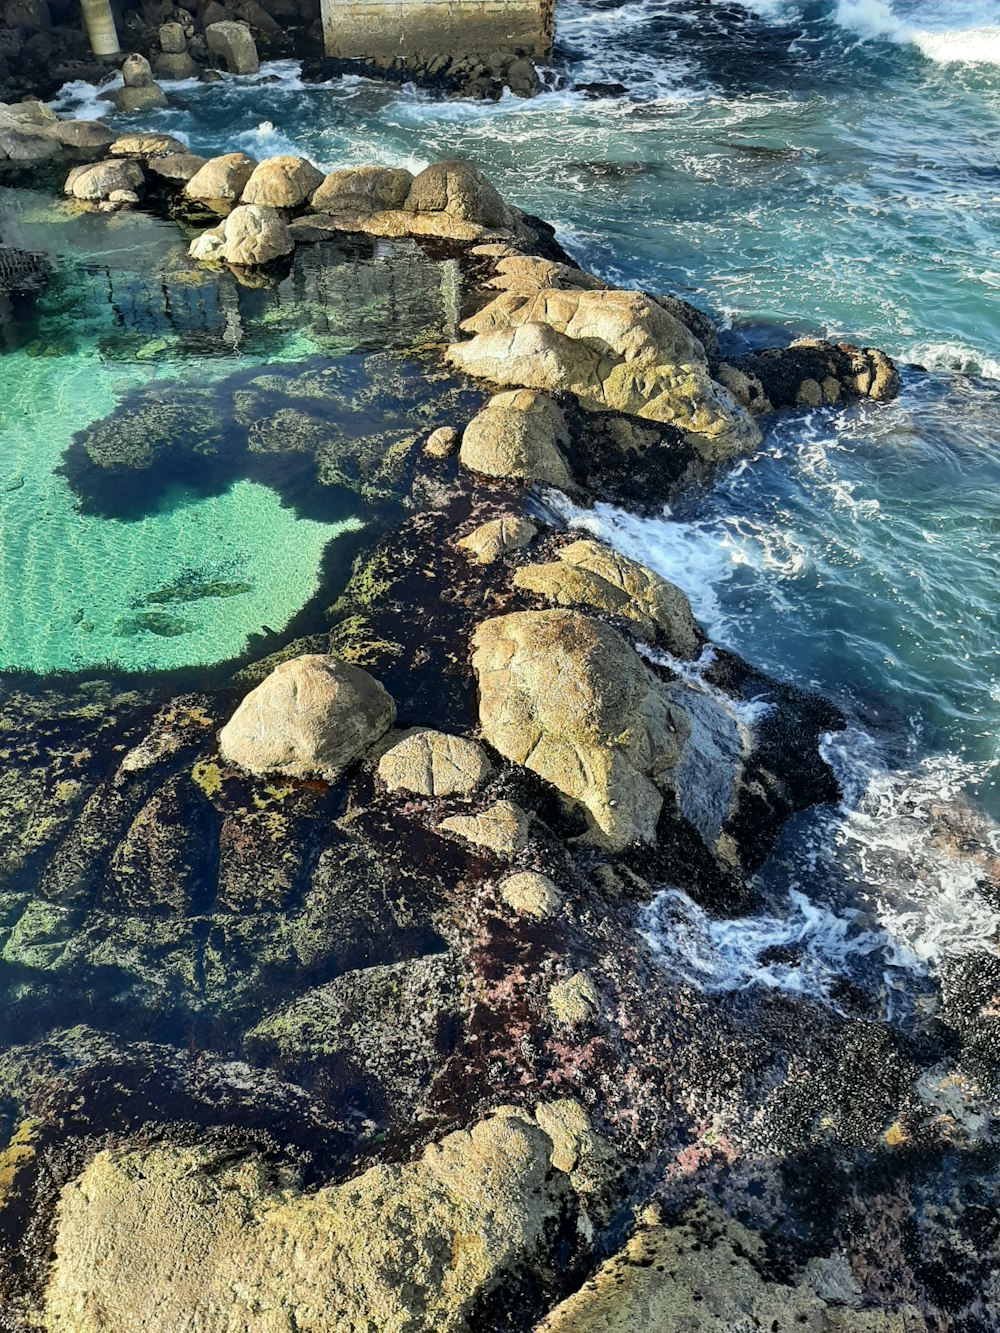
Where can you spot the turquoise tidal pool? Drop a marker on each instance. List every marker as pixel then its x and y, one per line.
pixel 130 567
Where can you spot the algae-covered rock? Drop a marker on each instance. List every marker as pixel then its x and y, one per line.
pixel 518 435
pixel 704 1276
pixel 173 1238
pixel 158 422
pixel 376 1036
pixel 432 763
pixel 311 718
pixel 811 374
pixel 616 350
pixel 588 573
pixel 574 1000
pixel 566 696
pixel 497 537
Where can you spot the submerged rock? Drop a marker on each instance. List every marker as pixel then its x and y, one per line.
pixel 166 1237
pixel 311 718
pixel 567 697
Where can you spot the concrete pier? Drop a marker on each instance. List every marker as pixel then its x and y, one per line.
pixel 423 29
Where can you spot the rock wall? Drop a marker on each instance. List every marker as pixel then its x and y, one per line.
pixel 422 29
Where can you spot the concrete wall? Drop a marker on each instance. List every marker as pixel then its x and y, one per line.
pixel 423 29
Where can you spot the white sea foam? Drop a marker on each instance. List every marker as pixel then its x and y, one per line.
pixel 957 32
pixel 79 100
pixel 802 952
pixel 954 356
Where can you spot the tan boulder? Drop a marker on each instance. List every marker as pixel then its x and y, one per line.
pixel 310 718
pixel 233 44
pixel 250 236
pixel 145 146
pixel 588 573
pixel 360 188
pixel 102 179
pixel 176 1238
pixel 518 435
pixel 615 350
pixel 461 190
pixel 566 696
pixel 528 274
pixel 502 828
pixel 282 182
pixel 498 536
pixel 220 182
pixel 441 443
pixel 432 763
pixel 575 1000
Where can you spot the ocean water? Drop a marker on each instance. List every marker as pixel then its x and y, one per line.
pixel 820 167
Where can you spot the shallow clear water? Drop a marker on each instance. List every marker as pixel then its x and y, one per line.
pixel 815 166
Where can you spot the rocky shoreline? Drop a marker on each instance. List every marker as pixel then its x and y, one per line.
pixel 391 879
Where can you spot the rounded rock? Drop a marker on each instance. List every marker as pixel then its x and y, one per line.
pixel 310 718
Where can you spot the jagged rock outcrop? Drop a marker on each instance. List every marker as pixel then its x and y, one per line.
pixel 810 374
pixel 704 1276
pixel 566 696
pixel 310 718
pixel 614 350
pixel 167 1237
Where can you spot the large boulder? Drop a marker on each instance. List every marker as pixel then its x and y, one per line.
pixel 461 190
pixel 310 718
pixel 587 573
pixel 233 45
pixel 250 237
pixel 100 181
pixel 566 696
pixel 615 350
pixel 219 184
pixel 145 147
pixel 362 188
pixel 176 1238
pixel 282 182
pixel 518 435
pixel 84 138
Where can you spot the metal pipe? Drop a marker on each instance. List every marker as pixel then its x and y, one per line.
pixel 101 28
